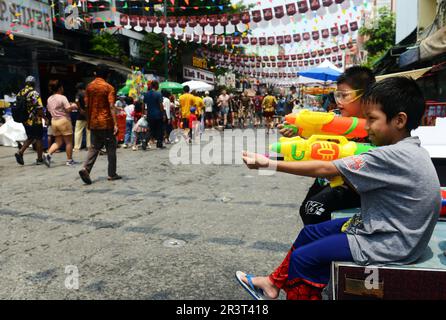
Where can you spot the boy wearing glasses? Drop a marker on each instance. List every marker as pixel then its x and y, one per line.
pixel 321 200
pixel 397 216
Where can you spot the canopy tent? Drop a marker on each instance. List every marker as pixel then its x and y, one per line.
pixel 173 87
pixel 198 86
pixel 326 71
pixel 414 74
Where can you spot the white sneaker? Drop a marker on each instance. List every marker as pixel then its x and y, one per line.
pixel 71 163
pixel 124 146
pixel 47 160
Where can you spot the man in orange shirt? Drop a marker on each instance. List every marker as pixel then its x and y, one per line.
pixel 101 120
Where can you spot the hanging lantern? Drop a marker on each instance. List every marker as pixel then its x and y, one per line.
pixel 315 5
pixel 302 6
pixel 291 9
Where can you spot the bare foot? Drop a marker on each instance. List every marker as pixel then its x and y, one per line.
pixel 270 290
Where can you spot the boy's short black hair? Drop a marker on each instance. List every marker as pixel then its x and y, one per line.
pixel 398 94
pixel 357 77
pixel 102 71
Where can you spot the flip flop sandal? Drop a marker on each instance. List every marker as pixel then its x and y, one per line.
pixel 256 293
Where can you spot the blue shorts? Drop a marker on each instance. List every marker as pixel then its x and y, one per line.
pixel 224 110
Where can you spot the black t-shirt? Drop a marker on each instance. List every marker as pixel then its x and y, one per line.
pixel 80 100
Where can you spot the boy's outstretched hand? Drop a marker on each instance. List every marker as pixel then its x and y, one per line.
pixel 254 160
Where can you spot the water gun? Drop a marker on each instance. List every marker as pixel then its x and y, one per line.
pixel 320 147
pixel 307 123
pixel 443 202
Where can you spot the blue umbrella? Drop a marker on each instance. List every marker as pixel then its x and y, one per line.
pixel 323 72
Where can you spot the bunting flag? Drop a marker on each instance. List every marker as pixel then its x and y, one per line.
pixel 285 58
pixel 160 23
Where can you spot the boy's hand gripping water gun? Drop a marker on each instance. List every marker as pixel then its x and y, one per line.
pixel 320 147
pixel 307 123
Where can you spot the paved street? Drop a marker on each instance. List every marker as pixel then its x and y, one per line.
pixel 163 232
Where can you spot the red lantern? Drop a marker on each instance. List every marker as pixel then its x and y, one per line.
pixel 235 19
pixel 344 29
pixel 279 40
pixel 246 18
pixel 334 31
pixel 288 39
pixel 327 3
pixel 325 33
pixel 223 19
pixel 123 19
pixel 353 26
pixel 182 22
pixel 203 21
pixel 315 5
pixel 162 22
pixel 153 21
pixel 262 41
pixel 192 21
pixel 291 9
pixel 306 36
pixel 143 21
pixel 278 11
pixel 173 21
pixel 297 37
pixel 302 6
pixel 267 14
pixel 256 16
pixel 315 35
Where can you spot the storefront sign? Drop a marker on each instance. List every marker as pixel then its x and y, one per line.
pixel 197 74
pixel 27 17
pixel 199 63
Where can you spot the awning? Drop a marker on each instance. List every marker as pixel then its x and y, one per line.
pixel 414 74
pixel 113 65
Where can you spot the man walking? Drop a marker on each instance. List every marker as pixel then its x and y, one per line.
pixel 101 120
pixel 33 124
pixel 155 112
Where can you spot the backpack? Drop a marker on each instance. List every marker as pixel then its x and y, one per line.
pixel 19 109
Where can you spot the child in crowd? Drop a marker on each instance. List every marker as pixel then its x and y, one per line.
pixel 192 121
pixel 397 215
pixel 129 122
pixel 140 128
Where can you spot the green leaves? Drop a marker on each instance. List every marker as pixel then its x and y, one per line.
pixel 106 44
pixel 380 37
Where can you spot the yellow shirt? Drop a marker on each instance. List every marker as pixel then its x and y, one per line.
pixel 269 104
pixel 186 101
pixel 199 104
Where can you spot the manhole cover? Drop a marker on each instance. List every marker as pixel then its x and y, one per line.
pixel 173 243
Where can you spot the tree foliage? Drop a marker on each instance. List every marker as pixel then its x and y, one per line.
pixel 106 44
pixel 380 36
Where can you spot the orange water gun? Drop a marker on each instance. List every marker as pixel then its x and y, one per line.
pixel 307 123
pixel 320 147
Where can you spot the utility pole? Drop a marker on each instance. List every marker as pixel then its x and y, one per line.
pixel 166 47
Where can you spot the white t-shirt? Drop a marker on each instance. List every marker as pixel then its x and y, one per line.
pixel 208 104
pixel 166 104
pixel 128 111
